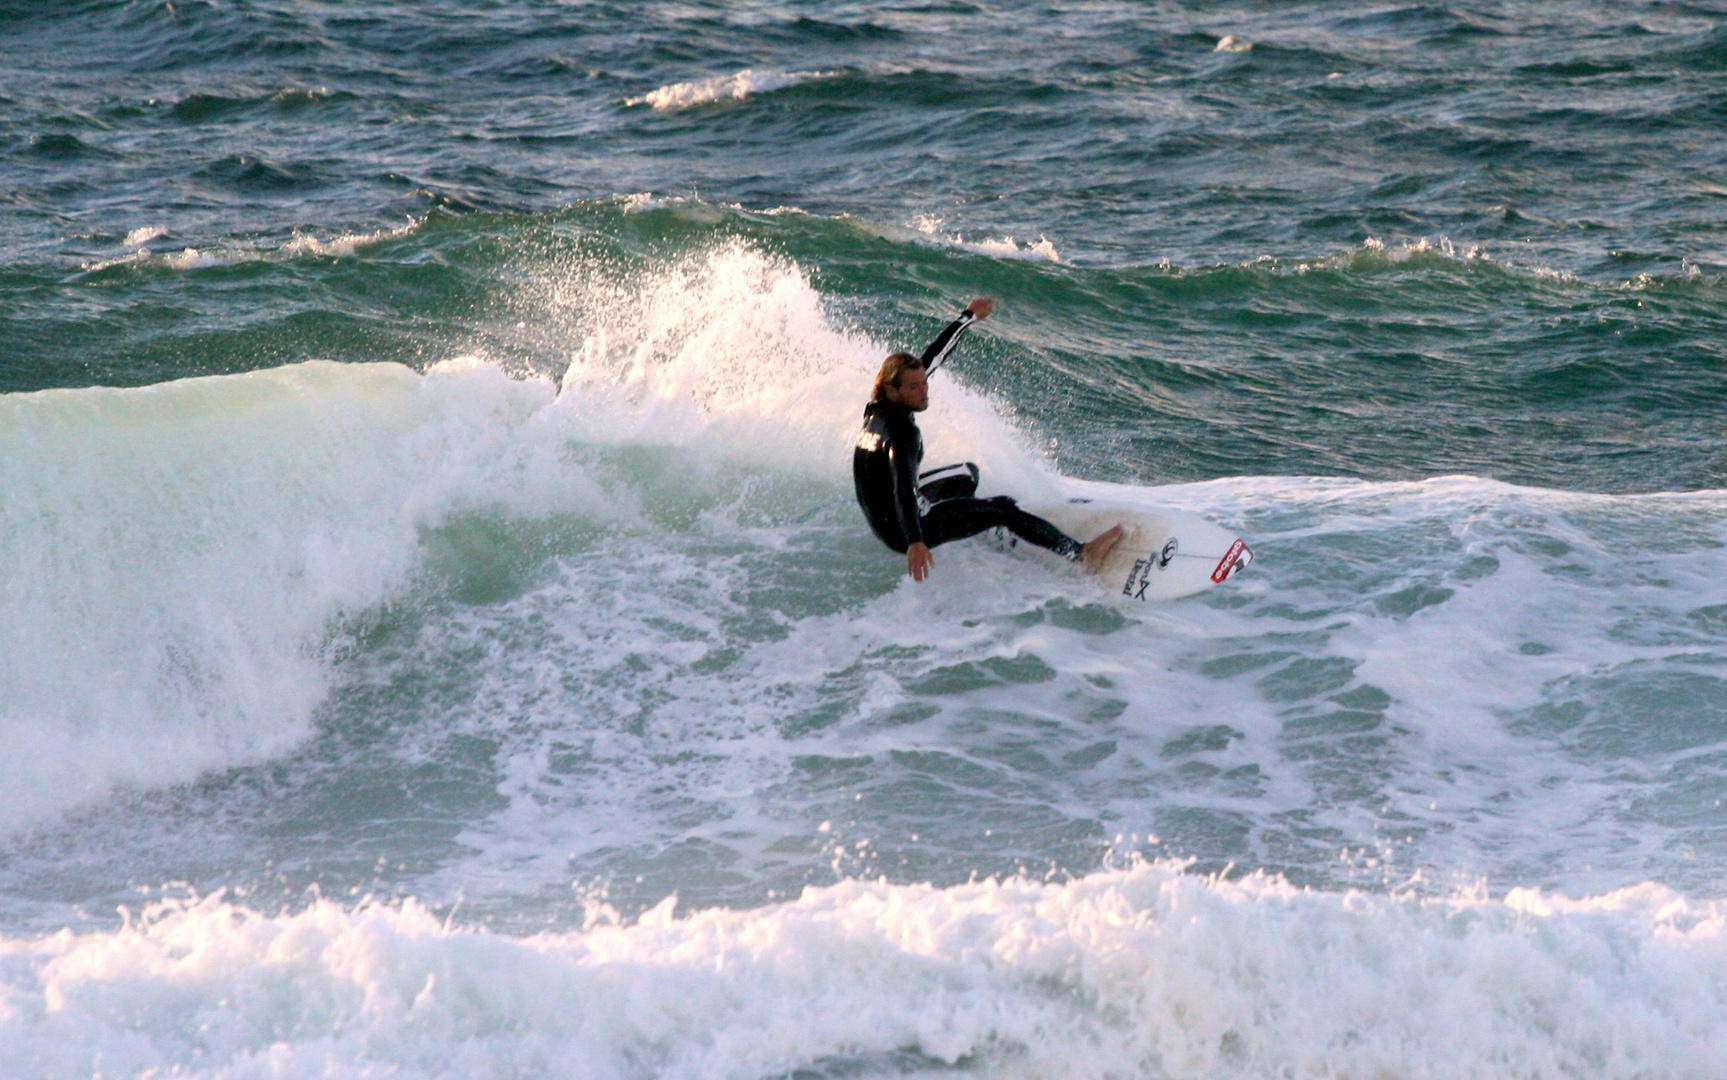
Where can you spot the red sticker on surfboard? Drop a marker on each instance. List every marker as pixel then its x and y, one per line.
pixel 1228 562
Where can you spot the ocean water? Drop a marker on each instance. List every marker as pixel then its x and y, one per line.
pixel 437 640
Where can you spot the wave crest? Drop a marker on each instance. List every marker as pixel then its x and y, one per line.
pixel 735 87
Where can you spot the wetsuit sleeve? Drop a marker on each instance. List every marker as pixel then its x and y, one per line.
pixel 945 341
pixel 904 462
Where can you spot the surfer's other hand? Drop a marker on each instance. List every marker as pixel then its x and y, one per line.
pixel 981 307
pixel 918 560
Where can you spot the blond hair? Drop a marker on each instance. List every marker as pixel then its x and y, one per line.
pixel 892 368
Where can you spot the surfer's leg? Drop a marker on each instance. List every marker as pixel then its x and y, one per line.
pixel 956 519
pixel 948 482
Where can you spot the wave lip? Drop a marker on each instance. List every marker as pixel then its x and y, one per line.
pixel 735 87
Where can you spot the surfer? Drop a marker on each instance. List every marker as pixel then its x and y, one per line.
pixel 912 512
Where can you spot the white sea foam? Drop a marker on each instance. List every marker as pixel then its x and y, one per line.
pixel 189 258
pixel 735 87
pixel 1007 247
pixel 1374 253
pixel 142 254
pixel 143 235
pixel 1142 972
pixel 641 202
pixel 193 259
pixel 224 254
pixel 1428 677
pixel 1431 677
pixel 344 245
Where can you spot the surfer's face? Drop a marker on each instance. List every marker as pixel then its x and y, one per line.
pixel 912 391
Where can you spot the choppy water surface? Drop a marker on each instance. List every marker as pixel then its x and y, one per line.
pixel 436 639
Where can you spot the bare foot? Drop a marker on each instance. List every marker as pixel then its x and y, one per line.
pixel 1091 556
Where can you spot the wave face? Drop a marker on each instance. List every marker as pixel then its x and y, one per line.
pixel 183 555
pixel 437 638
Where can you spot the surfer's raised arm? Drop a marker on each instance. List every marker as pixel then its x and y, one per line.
pixel 913 512
pixel 945 341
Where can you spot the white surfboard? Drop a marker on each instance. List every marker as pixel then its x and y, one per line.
pixel 1163 554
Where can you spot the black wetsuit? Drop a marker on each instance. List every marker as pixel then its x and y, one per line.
pixel 885 464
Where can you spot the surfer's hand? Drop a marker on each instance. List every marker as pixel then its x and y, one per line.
pixel 918 560
pixel 981 307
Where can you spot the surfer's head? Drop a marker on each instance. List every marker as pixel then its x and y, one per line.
pixel 902 381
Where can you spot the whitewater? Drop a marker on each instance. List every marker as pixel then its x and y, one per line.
pixel 1141 971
